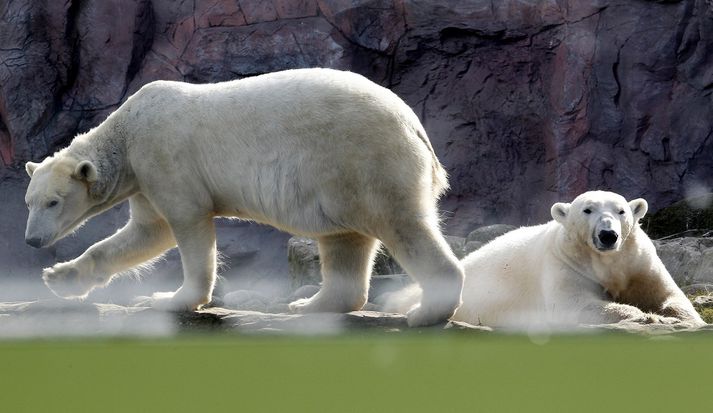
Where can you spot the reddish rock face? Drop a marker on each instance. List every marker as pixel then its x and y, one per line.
pixel 526 103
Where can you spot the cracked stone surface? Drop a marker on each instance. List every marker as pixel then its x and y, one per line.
pixel 56 317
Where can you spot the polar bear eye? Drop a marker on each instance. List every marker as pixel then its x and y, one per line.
pixel 587 211
pixel 621 212
pixel 51 204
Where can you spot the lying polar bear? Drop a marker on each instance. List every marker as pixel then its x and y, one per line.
pixel 593 264
pixel 315 152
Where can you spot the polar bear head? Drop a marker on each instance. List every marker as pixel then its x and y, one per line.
pixel 603 220
pixel 58 198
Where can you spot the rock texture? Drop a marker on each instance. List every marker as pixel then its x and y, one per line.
pixel 52 318
pixel 688 259
pixel 59 318
pixel 303 259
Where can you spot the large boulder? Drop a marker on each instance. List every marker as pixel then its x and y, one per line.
pixel 303 261
pixel 688 259
pixel 483 235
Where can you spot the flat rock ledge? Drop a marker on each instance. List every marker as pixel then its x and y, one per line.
pixel 52 318
pixel 59 318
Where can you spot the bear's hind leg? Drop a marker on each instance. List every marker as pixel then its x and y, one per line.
pixel 419 247
pixel 346 267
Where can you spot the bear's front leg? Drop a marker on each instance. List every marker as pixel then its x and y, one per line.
pixel 604 312
pixel 72 279
pixel 196 243
pixel 680 307
pixel 133 245
pixel 670 300
pixel 145 236
pixel 575 300
pixel 662 296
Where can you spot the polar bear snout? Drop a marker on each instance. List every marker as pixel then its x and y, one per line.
pixel 34 236
pixel 34 242
pixel 607 238
pixel 607 234
pixel 39 232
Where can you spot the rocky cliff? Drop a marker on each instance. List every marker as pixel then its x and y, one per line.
pixel 526 102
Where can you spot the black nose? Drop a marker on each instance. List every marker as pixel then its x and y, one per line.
pixel 34 242
pixel 608 237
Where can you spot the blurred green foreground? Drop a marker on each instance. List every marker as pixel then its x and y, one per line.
pixel 359 373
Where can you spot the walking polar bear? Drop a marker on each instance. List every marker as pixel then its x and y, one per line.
pixel 315 152
pixel 592 264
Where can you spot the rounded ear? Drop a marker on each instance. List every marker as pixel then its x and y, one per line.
pixel 639 207
pixel 86 171
pixel 30 168
pixel 559 212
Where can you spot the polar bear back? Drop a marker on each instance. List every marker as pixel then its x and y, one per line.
pixel 306 106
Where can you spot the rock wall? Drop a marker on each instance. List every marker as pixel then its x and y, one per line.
pixel 526 102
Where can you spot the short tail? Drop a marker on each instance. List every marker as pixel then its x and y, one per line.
pixel 403 300
pixel 439 174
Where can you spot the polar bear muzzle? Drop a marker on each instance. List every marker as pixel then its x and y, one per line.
pixel 607 234
pixel 606 239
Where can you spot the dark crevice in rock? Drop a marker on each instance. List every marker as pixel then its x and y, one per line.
pixel 666 147
pixel 142 40
pixel 424 104
pixel 5 143
pixel 642 126
pixel 581 19
pixel 73 40
pixel 615 72
pixel 67 82
pixel 501 36
pixel 702 147
pixel 685 48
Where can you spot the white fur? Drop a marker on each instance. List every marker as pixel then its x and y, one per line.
pixel 314 152
pixel 558 275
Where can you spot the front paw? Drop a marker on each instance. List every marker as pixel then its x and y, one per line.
pixel 67 281
pixel 649 318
